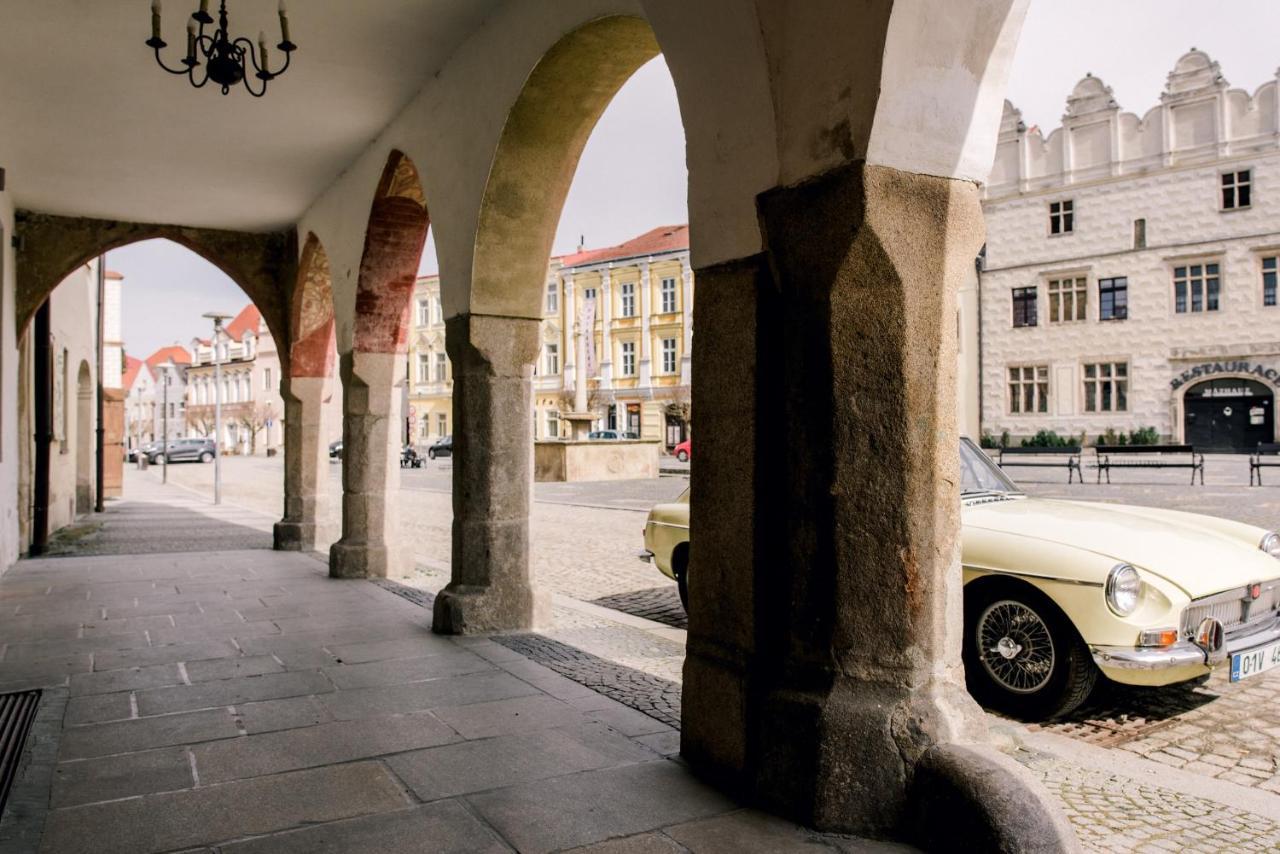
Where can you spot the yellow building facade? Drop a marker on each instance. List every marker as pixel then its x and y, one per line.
pixel 638 299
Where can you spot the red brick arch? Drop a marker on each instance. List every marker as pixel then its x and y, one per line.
pixel 393 242
pixel 311 316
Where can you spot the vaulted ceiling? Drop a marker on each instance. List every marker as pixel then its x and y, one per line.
pixel 89 125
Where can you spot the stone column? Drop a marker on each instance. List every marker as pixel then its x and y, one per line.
pixel 823 661
pixel 604 310
pixel 491 588
pixel 371 429
pixel 306 463
pixel 686 313
pixel 646 371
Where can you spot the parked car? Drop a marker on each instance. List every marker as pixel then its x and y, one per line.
pixel 1060 593
pixel 183 450
pixel 409 458
pixel 146 450
pixel 441 448
pixel 683 450
pixel 335 450
pixel 612 435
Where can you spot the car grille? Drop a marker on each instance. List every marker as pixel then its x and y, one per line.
pixel 1234 609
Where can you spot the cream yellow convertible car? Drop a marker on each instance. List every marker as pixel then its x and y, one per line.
pixel 1058 592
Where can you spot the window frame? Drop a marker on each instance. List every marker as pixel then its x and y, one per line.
pixel 441 367
pixel 1063 220
pixel 627 350
pixel 1204 277
pixel 1229 181
pixel 669 351
pixel 1274 273
pixel 1021 294
pixel 553 297
pixel 1078 293
pixel 551 357
pixel 664 292
pixel 1112 291
pixel 627 299
pixel 1112 381
pixel 1039 386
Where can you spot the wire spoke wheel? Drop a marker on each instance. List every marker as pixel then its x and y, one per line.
pixel 1015 646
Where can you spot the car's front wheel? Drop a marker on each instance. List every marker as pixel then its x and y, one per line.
pixel 157 460
pixel 1022 655
pixel 431 454
pixel 206 457
pixel 682 456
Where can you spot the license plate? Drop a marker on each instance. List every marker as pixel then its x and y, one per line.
pixel 1255 661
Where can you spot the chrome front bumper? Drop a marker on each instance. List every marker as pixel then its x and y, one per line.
pixel 1183 653
pixel 645 555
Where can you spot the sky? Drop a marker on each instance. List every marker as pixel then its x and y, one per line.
pixel 636 153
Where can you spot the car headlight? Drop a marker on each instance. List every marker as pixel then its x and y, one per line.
pixel 1271 544
pixel 1122 589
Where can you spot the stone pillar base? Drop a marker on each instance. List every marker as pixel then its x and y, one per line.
pixel 294 536
pixel 360 560
pixel 463 609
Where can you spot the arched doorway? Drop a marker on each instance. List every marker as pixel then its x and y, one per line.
pixel 1228 415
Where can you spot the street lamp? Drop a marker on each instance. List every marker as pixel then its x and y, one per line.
pixel 217 404
pixel 164 420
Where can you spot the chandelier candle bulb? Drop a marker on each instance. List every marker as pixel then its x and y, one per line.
pixel 204 6
pixel 191 39
pixel 284 22
pixel 262 49
pixel 155 19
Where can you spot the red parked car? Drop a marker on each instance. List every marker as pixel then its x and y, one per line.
pixel 683 450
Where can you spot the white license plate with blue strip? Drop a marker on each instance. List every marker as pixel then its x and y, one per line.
pixel 1255 661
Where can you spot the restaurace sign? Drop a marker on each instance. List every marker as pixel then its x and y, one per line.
pixel 1209 369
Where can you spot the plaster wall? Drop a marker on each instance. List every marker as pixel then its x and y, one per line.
pixel 1183 223
pixel 73 326
pixel 9 537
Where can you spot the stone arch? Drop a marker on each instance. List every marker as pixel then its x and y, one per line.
pixel 311 320
pixel 84 439
pixel 394 238
pixel 537 156
pixel 51 247
pixel 1233 372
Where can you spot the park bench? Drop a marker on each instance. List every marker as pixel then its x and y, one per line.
pixel 1067 457
pixel 1266 455
pixel 1149 457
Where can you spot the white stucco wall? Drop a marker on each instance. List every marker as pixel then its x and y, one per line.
pixel 73 326
pixel 1178 194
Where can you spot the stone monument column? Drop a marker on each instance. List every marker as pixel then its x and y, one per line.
pixel 371 438
pixel 823 677
pixel 306 463
pixel 491 588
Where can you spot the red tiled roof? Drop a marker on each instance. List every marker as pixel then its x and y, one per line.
pixel 664 238
pixel 179 355
pixel 131 368
pixel 248 320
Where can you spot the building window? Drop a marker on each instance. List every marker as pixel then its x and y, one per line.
pixel 668 289
pixel 628 299
pixel 1062 217
pixel 1113 298
pixel 553 424
pixel 1269 281
pixel 442 424
pixel 1196 288
pixel 1024 306
pixel 248 388
pixel 266 379
pixel 424 429
pixel 1029 389
pixel 628 358
pixel 553 297
pixel 553 358
pixel 1237 189
pixel 442 367
pixel 1106 387
pixel 588 293
pixel 424 312
pixel 424 368
pixel 1067 299
pixel 1140 234
pixel 668 355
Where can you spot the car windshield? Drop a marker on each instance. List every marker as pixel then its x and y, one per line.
pixel 978 474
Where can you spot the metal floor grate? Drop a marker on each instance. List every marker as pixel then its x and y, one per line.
pixel 17 711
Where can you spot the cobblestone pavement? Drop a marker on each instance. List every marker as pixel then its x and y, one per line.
pixel 660 604
pixel 1115 813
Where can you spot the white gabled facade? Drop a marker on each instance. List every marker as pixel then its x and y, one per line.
pixel 1152 203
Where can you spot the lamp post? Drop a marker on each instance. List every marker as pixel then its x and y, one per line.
pixel 217 404
pixel 164 422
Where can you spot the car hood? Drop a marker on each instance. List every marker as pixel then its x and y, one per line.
pixel 1201 555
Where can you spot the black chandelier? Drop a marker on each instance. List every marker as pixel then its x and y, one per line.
pixel 226 61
